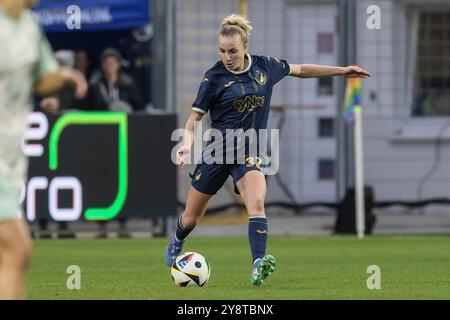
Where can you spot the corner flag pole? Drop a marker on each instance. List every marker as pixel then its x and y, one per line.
pixel 359 173
pixel 353 115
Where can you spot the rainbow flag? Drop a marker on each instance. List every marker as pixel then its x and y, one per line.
pixel 352 99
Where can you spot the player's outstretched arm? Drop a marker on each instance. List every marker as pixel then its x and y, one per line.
pixel 315 70
pixel 51 82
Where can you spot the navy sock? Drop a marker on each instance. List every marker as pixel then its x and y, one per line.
pixel 181 233
pixel 257 235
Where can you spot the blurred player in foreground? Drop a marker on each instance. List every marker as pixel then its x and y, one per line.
pixel 26 64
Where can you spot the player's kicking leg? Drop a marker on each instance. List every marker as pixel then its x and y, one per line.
pixel 196 205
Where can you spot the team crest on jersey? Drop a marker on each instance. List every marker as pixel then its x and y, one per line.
pixel 198 175
pixel 261 78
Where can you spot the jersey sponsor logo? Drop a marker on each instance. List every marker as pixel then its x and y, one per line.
pixel 261 231
pixel 249 103
pixel 229 84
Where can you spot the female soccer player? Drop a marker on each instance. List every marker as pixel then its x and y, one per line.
pixel 237 92
pixel 26 63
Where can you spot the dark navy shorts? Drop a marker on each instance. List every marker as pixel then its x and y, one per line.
pixel 209 178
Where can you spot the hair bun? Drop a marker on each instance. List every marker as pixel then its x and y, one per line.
pixel 237 21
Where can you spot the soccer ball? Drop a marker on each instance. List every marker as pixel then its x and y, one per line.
pixel 190 269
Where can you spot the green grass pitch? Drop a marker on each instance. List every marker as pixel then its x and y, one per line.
pixel 332 267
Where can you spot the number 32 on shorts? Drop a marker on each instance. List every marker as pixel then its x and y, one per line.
pixel 253 161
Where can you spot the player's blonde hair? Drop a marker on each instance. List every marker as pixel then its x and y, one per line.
pixel 236 24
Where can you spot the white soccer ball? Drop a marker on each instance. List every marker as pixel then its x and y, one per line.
pixel 190 269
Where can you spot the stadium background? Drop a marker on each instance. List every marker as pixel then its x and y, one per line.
pixel 400 145
pixel 406 152
pixel 406 126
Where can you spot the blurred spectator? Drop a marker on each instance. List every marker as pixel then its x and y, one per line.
pixel 65 58
pixel 111 88
pixel 83 63
pixel 65 99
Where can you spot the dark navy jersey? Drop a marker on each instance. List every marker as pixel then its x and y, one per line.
pixel 240 99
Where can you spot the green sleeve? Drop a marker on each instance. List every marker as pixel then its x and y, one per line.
pixel 46 62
